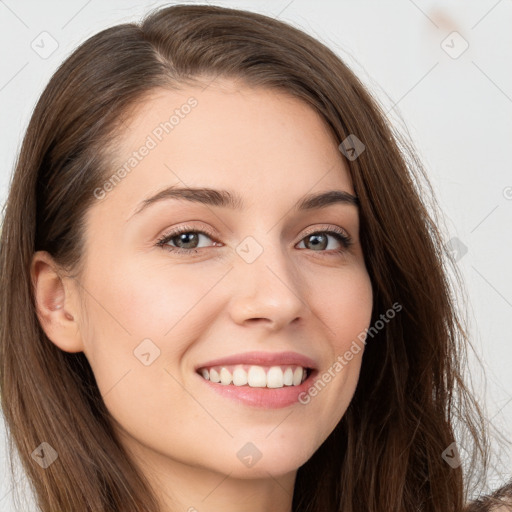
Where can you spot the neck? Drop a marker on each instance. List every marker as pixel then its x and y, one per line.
pixel 182 487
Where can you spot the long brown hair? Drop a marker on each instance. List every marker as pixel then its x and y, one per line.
pixel 386 453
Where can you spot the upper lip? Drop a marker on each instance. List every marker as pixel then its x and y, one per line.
pixel 263 359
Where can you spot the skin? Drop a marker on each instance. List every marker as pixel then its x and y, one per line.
pixel 271 149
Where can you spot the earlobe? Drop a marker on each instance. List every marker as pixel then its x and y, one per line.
pixel 54 305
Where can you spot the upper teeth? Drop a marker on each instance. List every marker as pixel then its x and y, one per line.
pixel 256 376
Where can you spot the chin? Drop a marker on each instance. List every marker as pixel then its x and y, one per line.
pixel 266 457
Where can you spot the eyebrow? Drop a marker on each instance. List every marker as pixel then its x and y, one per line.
pixel 227 199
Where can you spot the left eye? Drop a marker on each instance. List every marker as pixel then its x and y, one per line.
pixel 319 239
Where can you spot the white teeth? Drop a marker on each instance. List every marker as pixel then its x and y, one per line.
pixel 256 376
pixel 239 377
pixel 225 376
pixel 275 377
pixel 288 377
pixel 297 376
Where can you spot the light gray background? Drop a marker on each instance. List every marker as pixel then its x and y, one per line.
pixel 458 111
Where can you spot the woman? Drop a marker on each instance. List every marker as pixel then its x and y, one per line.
pixel 306 355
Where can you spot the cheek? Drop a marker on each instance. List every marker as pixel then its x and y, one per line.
pixel 344 303
pixel 140 309
pixel 151 300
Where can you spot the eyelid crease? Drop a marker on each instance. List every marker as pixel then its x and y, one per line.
pixel 186 229
pixel 330 227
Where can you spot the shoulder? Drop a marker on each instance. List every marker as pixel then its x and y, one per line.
pixel 488 505
pixel 499 501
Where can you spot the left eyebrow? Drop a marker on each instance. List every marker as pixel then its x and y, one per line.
pixel 227 199
pixel 317 201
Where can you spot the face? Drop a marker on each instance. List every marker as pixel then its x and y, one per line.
pixel 264 276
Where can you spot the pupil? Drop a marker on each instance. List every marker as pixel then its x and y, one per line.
pixel 316 240
pixel 183 238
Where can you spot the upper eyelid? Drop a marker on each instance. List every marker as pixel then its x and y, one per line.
pixel 330 227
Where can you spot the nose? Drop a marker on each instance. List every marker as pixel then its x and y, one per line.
pixel 267 290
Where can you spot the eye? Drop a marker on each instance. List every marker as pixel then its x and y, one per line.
pixel 318 240
pixel 186 238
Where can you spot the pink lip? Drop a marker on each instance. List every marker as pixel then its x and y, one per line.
pixel 267 398
pixel 264 398
pixel 262 359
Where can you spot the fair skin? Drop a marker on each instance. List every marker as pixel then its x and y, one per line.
pixel 271 150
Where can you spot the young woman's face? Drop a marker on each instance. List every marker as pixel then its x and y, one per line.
pixel 255 279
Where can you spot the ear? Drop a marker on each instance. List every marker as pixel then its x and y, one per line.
pixel 55 309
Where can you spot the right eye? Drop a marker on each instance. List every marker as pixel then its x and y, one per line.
pixel 184 235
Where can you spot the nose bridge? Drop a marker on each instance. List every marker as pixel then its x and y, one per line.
pixel 267 282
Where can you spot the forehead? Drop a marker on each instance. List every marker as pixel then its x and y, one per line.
pixel 260 142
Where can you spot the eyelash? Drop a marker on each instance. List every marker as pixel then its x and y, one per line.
pixel 345 240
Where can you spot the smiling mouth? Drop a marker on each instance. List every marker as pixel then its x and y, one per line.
pixel 256 376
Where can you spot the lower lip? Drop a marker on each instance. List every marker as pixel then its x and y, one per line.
pixel 266 398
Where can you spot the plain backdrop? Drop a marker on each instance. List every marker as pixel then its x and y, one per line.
pixel 442 70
